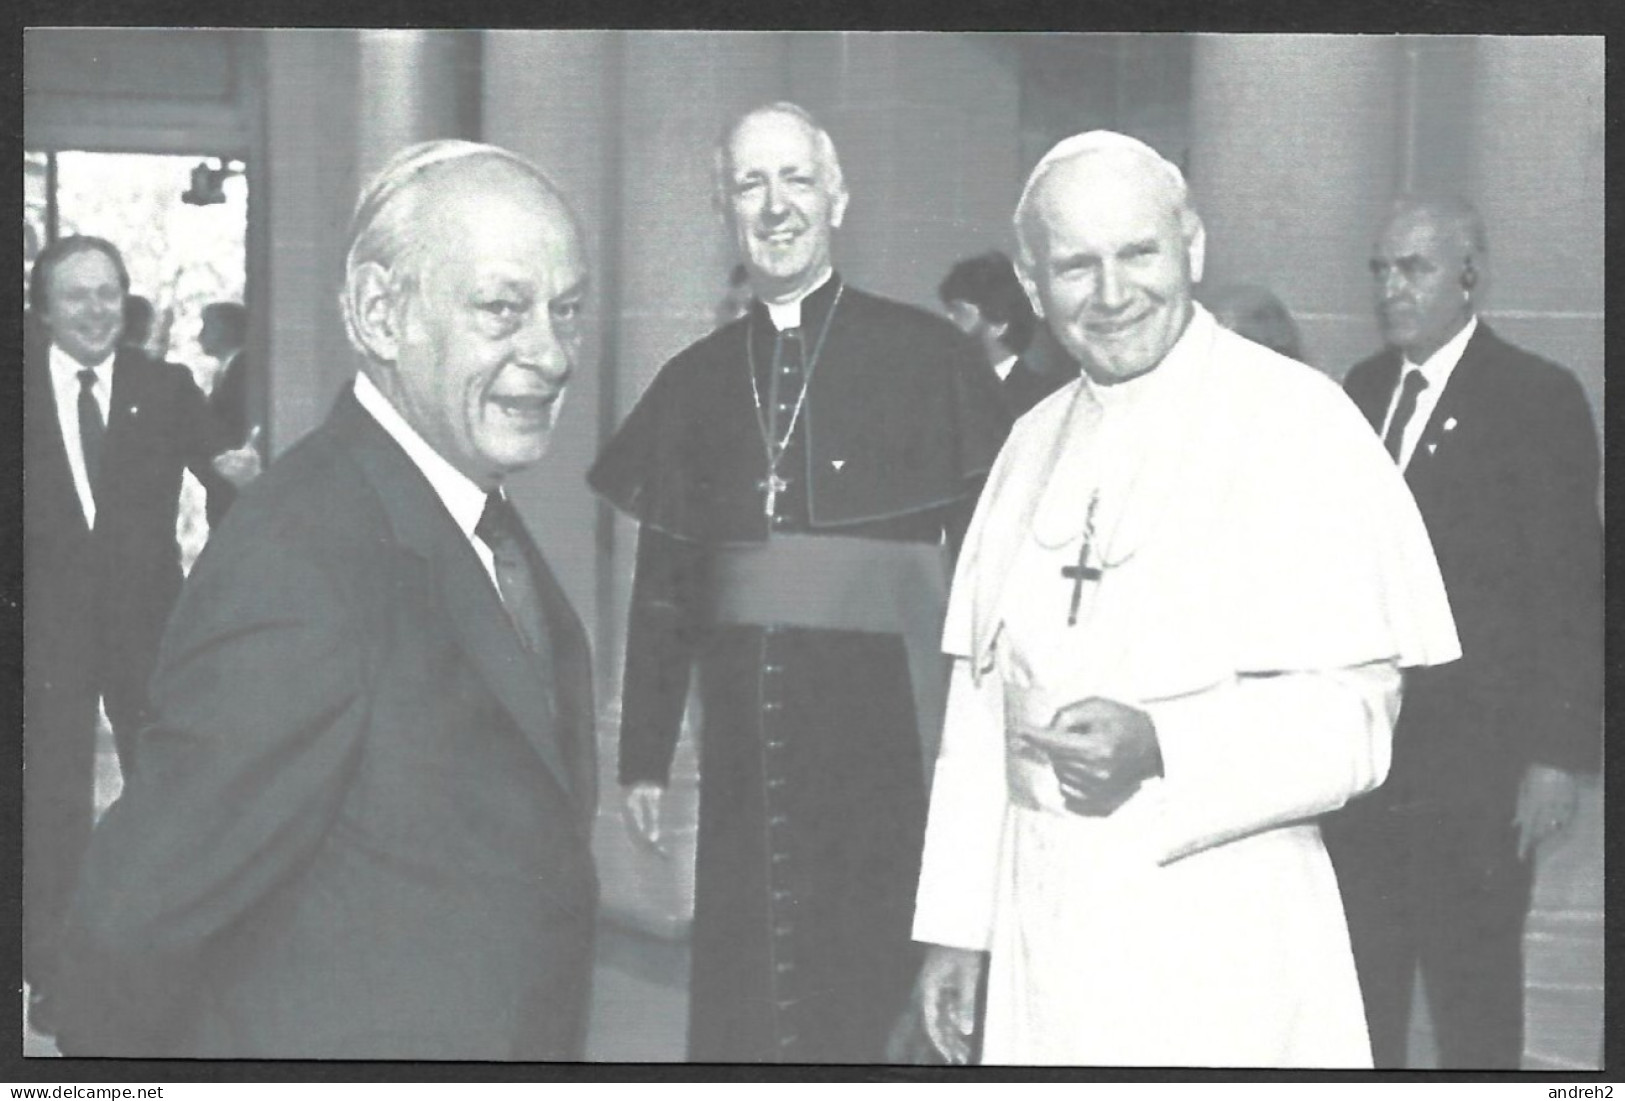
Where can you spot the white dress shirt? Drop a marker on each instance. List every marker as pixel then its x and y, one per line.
pixel 1437 371
pixel 1004 367
pixel 65 382
pixel 456 490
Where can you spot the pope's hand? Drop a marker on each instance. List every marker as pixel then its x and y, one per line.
pixel 241 465
pixel 946 996
pixel 1101 751
pixel 643 815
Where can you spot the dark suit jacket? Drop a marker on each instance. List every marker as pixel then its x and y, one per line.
pixel 364 829
pixel 97 600
pixel 1505 474
pixel 1026 386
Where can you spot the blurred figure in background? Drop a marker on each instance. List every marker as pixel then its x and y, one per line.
pixel 983 297
pixel 225 328
pixel 1255 313
pixel 138 317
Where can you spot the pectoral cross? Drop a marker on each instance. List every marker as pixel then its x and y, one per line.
pixel 772 486
pixel 1082 571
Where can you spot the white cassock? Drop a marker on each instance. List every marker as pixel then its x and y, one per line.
pixel 1263 576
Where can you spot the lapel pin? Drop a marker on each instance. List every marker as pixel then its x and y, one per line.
pixel 1450 423
pixel 837 463
pixel 134 409
pixel 1432 447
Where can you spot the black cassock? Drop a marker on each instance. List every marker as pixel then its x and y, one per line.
pixel 812 773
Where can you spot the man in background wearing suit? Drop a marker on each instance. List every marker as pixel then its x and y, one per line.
pixel 983 297
pixel 361 825
pixel 1499 449
pixel 108 432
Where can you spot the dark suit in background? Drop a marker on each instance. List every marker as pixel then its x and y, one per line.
pixel 1025 386
pixel 1505 473
pixel 359 831
pixel 96 602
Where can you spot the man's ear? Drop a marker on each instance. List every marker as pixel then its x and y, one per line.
pixel 372 304
pixel 1196 249
pixel 1030 285
pixel 838 208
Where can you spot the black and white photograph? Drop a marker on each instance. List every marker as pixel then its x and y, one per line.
pixel 811 549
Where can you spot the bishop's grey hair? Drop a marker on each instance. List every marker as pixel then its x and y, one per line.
pixel 834 178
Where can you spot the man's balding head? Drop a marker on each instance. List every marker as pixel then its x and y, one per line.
pixel 464 287
pixel 389 211
pixel 1429 261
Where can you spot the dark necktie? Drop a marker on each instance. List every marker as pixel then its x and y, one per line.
pixel 501 530
pixel 1415 382
pixel 91 429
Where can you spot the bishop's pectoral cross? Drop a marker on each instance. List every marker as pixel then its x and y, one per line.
pixel 772 486
pixel 1082 571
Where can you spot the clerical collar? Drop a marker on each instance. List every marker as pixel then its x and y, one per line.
pixel 787 315
pixel 1186 355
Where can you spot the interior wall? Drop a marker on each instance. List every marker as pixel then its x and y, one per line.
pixel 312 139
pixel 927 126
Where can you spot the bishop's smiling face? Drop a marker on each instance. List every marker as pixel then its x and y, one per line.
pixel 782 204
pixel 490 329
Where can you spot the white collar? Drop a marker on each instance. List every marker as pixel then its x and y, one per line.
pixel 1186 356
pixel 787 315
pixel 462 497
pixel 1004 367
pixel 67 368
pixel 1438 366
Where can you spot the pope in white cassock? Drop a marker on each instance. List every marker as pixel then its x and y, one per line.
pixel 1178 626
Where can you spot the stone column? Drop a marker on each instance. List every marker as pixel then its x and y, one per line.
pixel 310 176
pixel 551 96
pixel 1536 174
pixel 1295 146
pixel 415 86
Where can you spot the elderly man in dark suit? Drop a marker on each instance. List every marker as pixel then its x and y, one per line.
pixel 107 434
pixel 361 826
pixel 1501 454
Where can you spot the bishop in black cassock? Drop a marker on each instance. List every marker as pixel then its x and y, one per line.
pixel 808 592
